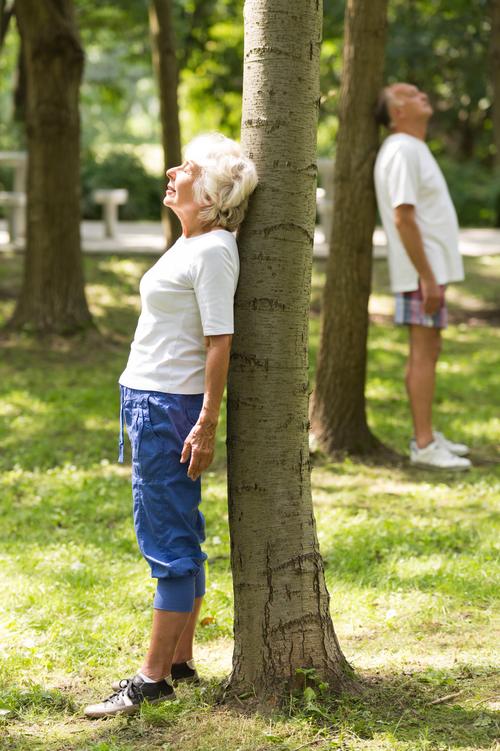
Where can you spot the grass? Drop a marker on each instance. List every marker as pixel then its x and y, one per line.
pixel 411 557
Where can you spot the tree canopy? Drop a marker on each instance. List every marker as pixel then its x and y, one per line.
pixel 442 47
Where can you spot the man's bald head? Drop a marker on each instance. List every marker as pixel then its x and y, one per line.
pixel 400 105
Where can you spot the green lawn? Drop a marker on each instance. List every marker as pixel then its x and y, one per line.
pixel 411 557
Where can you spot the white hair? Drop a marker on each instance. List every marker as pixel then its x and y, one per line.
pixel 227 179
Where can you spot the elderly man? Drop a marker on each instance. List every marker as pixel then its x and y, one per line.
pixel 422 234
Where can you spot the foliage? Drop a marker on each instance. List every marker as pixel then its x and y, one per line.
pixel 410 555
pixel 443 48
pixel 475 192
pixel 440 46
pixel 121 169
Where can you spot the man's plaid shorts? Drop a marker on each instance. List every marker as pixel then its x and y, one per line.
pixel 410 310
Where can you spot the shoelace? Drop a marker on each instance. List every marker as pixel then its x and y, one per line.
pixel 133 692
pixel 114 698
pixel 131 689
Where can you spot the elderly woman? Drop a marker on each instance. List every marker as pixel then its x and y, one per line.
pixel 171 391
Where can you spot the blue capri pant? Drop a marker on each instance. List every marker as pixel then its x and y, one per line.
pixel 168 522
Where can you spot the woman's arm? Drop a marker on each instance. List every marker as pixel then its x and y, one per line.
pixel 200 443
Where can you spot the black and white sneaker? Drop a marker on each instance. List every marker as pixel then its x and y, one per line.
pixel 185 671
pixel 181 671
pixel 128 699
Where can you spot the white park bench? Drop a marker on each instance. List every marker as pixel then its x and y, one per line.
pixel 14 200
pixel 110 200
pixel 15 203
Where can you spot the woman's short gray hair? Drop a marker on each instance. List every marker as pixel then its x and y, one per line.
pixel 226 180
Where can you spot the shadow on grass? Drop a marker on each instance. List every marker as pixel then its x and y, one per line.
pixel 432 709
pixel 410 708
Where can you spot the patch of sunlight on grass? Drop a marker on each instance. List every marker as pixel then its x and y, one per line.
pixel 103 297
pixel 126 269
pixel 486 429
pixel 456 296
pixel 99 423
pixel 381 305
pixel 22 403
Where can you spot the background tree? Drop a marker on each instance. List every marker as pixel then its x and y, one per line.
pixel 339 413
pixel 6 13
pixel 495 75
pixel 165 65
pixel 52 297
pixel 282 618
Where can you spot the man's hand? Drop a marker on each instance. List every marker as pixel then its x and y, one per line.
pixel 200 446
pixel 431 295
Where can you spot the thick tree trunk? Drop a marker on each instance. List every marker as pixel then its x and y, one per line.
pixel 339 415
pixel 495 75
pixel 52 298
pixel 165 65
pixel 282 618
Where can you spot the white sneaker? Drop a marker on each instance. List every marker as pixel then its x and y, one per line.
pixel 435 456
pixel 459 449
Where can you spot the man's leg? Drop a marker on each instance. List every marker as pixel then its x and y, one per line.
pixel 425 346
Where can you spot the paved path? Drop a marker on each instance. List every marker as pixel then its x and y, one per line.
pixel 147 237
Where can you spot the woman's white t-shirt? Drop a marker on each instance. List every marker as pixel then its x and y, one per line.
pixel 407 173
pixel 187 295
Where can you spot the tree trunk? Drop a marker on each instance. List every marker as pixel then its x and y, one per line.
pixel 165 66
pixel 6 13
pixel 339 415
pixel 52 298
pixel 282 618
pixel 20 92
pixel 495 75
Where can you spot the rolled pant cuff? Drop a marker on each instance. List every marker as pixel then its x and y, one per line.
pixel 175 593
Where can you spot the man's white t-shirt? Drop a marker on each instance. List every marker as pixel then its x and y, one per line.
pixel 407 173
pixel 187 295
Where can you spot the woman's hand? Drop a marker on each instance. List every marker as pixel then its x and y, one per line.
pixel 200 443
pixel 200 446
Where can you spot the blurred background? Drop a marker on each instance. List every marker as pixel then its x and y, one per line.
pixel 445 48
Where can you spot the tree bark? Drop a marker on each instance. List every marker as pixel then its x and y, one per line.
pixel 339 413
pixel 495 75
pixel 52 298
pixel 165 66
pixel 282 618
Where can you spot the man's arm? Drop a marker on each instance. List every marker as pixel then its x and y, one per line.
pixel 200 443
pixel 406 224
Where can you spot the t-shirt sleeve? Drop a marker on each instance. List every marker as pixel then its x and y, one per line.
pixel 215 276
pixel 403 177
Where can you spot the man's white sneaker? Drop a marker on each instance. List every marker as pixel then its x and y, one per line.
pixel 459 449
pixel 435 456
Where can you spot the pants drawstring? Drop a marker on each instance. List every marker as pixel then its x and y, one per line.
pixel 120 440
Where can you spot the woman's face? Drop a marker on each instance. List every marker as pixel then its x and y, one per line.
pixel 180 194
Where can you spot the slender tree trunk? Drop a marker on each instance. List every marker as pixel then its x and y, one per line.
pixel 52 298
pixel 165 65
pixel 495 75
pixel 282 618
pixel 6 13
pixel 20 91
pixel 339 415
